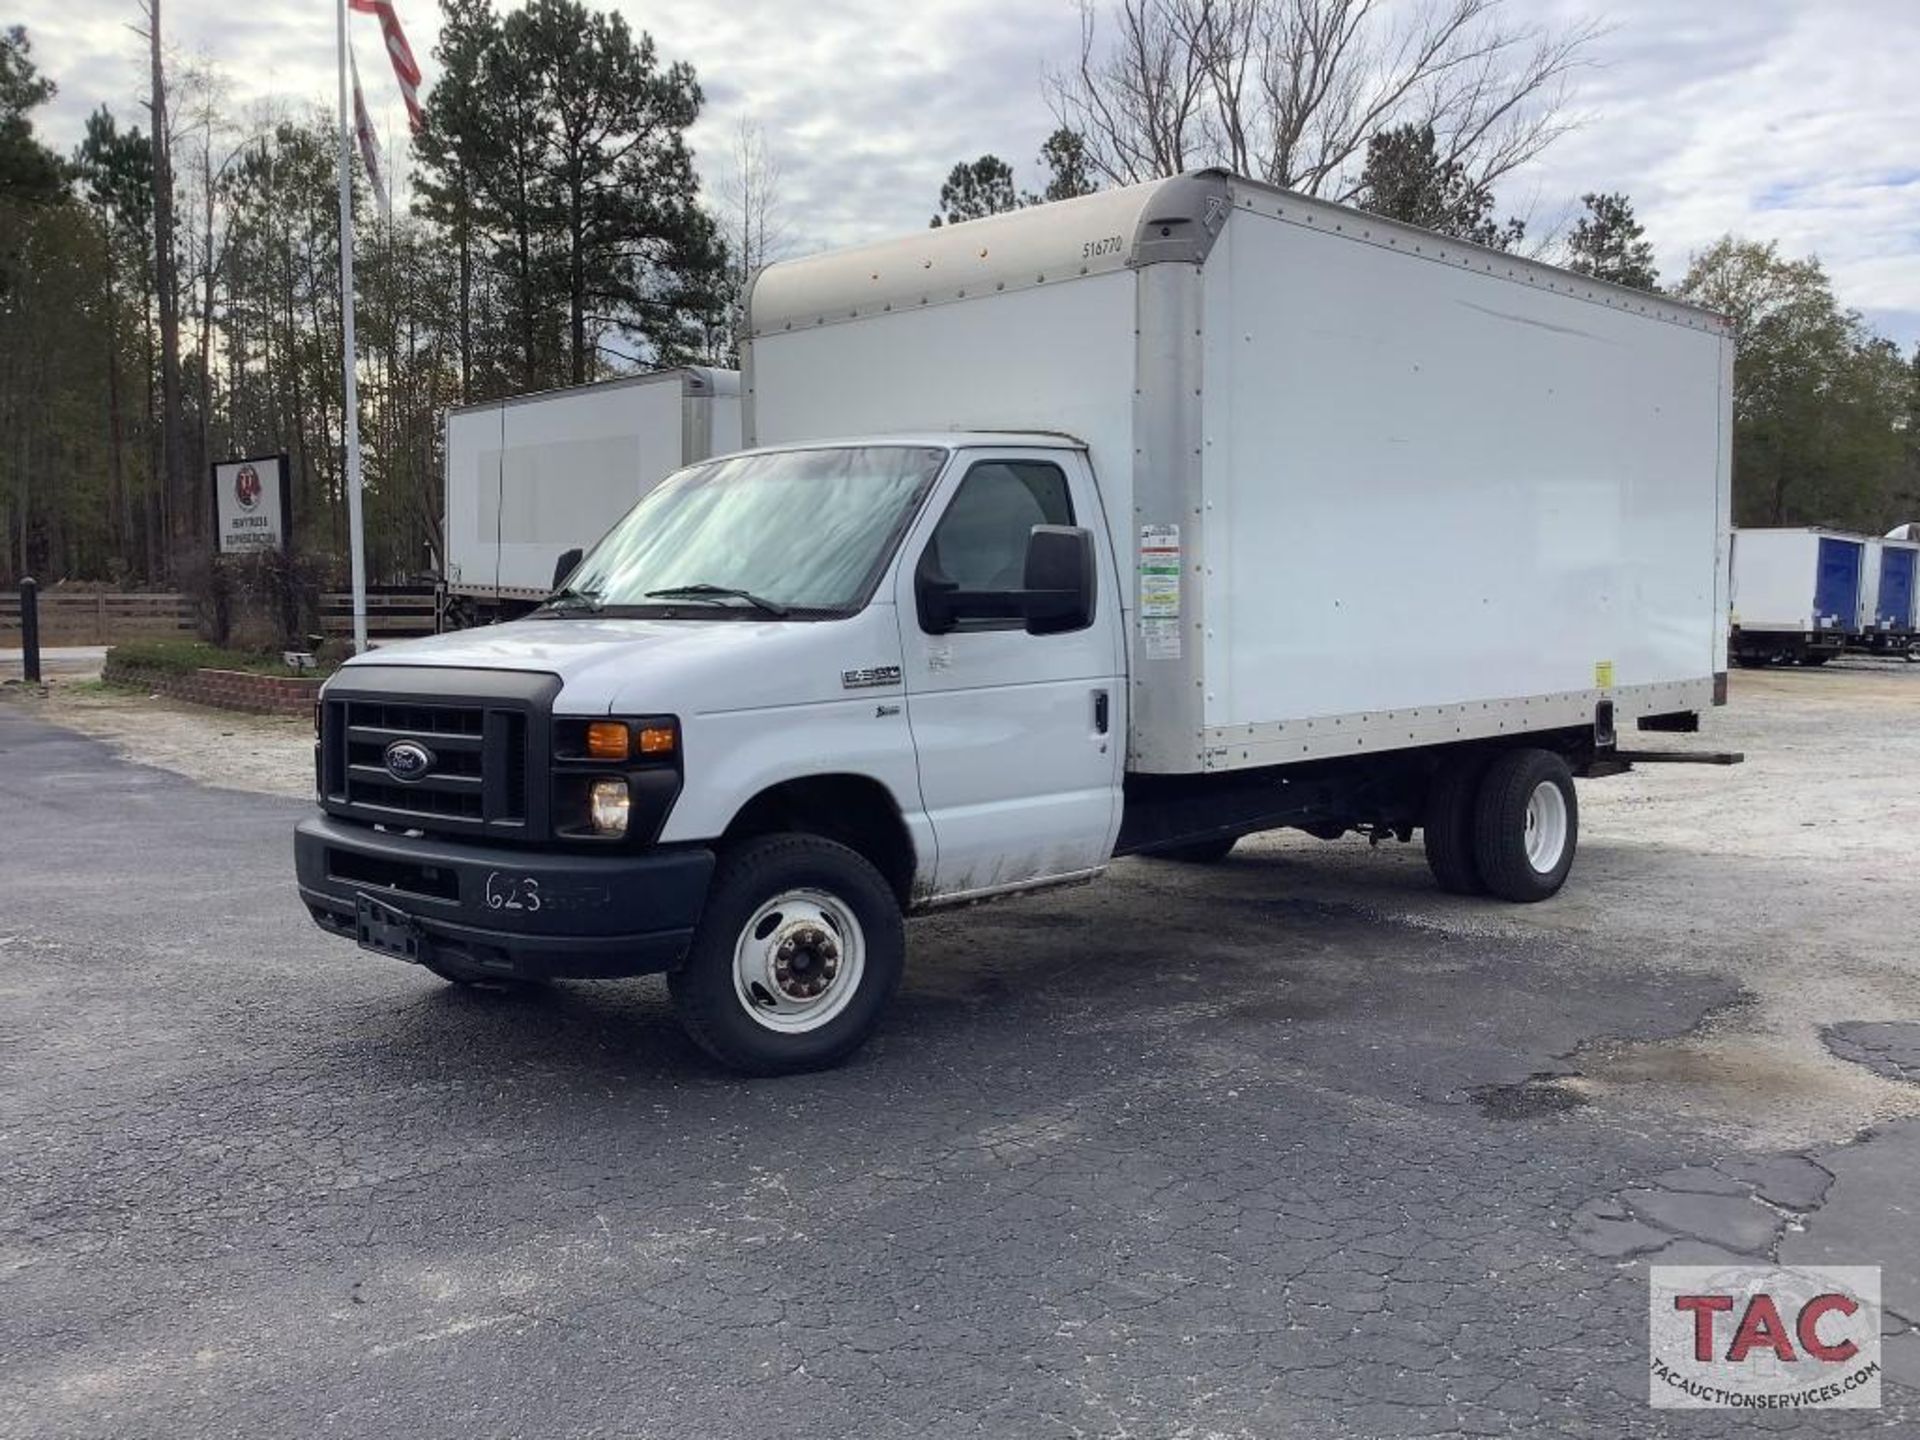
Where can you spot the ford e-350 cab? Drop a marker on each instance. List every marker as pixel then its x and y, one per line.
pixel 1176 513
pixel 701 747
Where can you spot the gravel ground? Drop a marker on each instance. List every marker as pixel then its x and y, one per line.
pixel 1293 1145
pixel 265 754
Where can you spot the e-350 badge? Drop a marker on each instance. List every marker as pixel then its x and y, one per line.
pixel 870 677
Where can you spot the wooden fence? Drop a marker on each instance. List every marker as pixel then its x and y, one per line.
pixel 392 613
pixel 98 617
pixel 104 618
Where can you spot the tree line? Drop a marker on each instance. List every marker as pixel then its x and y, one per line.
pixel 169 289
pixel 169 292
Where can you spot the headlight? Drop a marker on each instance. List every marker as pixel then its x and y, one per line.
pixel 607 806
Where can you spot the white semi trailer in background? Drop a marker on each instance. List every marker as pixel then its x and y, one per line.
pixel 1132 524
pixel 1890 597
pixel 532 477
pixel 1797 594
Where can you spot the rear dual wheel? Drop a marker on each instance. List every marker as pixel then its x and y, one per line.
pixel 1505 825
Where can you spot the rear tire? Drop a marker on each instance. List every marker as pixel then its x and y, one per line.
pixel 1200 852
pixel 1448 825
pixel 1526 825
pixel 800 948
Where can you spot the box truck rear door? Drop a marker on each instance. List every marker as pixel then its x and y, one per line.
pixel 1836 593
pixel 1020 737
pixel 1895 608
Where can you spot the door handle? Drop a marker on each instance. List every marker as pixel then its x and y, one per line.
pixel 1100 712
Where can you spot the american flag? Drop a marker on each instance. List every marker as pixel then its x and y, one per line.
pixel 363 128
pixel 405 68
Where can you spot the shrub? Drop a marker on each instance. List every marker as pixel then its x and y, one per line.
pixel 179 657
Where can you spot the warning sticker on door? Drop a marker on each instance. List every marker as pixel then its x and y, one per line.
pixel 1160 592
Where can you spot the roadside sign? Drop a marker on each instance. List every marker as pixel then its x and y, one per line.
pixel 252 507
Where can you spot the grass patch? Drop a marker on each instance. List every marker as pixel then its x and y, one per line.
pixel 182 657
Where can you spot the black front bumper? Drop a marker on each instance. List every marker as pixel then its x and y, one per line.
pixel 516 912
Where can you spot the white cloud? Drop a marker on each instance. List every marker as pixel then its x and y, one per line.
pixel 1786 119
pixel 1793 120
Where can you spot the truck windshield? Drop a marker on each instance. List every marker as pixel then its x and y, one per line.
pixel 795 532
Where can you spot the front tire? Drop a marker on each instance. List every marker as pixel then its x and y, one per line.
pixel 799 949
pixel 1526 825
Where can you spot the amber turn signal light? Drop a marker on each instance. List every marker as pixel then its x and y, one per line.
pixel 657 740
pixel 607 740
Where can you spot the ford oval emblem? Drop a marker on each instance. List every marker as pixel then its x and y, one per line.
pixel 409 760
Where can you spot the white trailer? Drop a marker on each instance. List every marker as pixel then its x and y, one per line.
pixel 531 477
pixel 1889 596
pixel 1134 524
pixel 1797 594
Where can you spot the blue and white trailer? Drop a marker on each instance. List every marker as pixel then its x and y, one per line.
pixel 1797 594
pixel 1888 597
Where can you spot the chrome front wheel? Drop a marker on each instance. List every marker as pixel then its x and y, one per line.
pixel 800 947
pixel 799 961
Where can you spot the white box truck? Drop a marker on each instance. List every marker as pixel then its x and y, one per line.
pixel 1797 594
pixel 532 477
pixel 1133 524
pixel 1889 593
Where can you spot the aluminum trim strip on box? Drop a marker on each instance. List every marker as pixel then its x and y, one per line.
pixel 1323 737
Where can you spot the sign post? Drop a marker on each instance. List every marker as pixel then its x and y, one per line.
pixel 252 505
pixel 30 629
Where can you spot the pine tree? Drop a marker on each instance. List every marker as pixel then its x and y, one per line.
pixel 1407 179
pixel 1607 244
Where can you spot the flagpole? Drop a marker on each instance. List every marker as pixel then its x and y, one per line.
pixel 351 392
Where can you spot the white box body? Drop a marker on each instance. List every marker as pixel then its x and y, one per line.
pixel 1890 587
pixel 1796 581
pixel 1377 488
pixel 531 477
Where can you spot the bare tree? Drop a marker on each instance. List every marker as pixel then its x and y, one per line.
pixel 752 218
pixel 214 149
pixel 1290 91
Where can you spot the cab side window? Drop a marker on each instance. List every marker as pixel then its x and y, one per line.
pixel 981 542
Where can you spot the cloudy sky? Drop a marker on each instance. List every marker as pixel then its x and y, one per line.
pixel 1795 120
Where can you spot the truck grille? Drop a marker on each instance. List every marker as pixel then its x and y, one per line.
pixel 482 770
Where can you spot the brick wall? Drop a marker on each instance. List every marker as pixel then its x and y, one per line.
pixel 223 689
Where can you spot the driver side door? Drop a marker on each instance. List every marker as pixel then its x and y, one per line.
pixel 1020 737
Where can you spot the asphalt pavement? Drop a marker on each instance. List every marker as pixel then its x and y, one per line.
pixel 1219 1152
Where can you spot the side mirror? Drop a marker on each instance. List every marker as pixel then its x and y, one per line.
pixel 1057 593
pixel 1060 579
pixel 566 565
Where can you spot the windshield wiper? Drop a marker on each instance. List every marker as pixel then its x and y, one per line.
pixel 567 599
pixel 701 592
